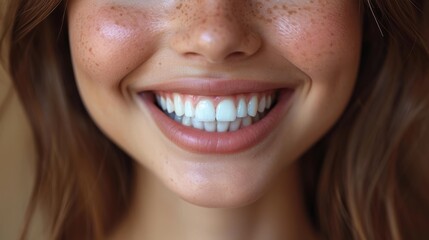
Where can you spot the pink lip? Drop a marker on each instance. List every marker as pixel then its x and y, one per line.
pixel 219 87
pixel 199 141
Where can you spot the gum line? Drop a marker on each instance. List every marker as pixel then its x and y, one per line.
pixel 194 99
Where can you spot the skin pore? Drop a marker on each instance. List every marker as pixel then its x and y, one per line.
pixel 121 48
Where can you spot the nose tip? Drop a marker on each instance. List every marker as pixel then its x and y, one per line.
pixel 221 43
pixel 216 39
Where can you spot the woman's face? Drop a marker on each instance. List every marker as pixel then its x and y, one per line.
pixel 215 97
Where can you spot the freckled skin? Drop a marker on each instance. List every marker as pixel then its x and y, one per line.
pixel 123 46
pixel 108 33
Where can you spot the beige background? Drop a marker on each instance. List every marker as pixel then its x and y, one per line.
pixel 16 155
pixel 16 159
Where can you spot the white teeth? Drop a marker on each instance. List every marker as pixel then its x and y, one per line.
pixel 262 104
pixel 163 104
pixel 189 109
pixel 177 118
pixel 186 121
pixel 252 107
pixel 230 114
pixel 210 126
pixel 269 101
pixel 247 121
pixel 234 126
pixel 226 111
pixel 205 111
pixel 197 124
pixel 170 106
pixel 222 126
pixel 179 108
pixel 242 108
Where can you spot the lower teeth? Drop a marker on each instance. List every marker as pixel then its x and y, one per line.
pixel 217 126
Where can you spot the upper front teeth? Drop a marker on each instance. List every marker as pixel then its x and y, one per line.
pixel 179 107
pixel 226 111
pixel 241 108
pixel 252 107
pixel 207 112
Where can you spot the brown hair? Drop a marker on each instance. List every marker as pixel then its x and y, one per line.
pixel 82 179
pixel 372 184
pixel 366 179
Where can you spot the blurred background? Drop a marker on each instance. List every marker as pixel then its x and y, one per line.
pixel 16 159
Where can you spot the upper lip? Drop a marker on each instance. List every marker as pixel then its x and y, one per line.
pixel 217 86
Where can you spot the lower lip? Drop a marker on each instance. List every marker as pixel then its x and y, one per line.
pixel 199 141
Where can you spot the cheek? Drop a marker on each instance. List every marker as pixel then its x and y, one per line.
pixel 321 40
pixel 325 44
pixel 109 44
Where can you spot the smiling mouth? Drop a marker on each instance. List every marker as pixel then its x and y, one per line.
pixel 216 113
pixel 217 117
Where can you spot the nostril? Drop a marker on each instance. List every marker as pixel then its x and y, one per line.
pixel 192 55
pixel 231 56
pixel 236 55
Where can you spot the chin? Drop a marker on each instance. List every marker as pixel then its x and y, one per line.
pixel 221 197
pixel 226 183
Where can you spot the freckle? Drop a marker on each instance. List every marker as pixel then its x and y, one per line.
pixel 159 64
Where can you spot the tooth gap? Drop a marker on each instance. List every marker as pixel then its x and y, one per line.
pixel 159 106
pixel 157 100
